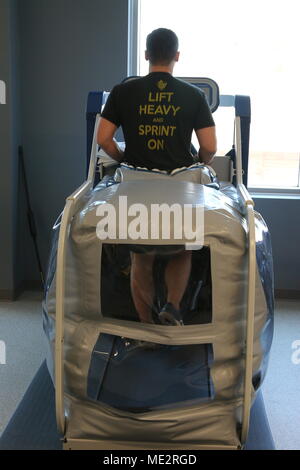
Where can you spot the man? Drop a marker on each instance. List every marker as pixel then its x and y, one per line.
pixel 158 114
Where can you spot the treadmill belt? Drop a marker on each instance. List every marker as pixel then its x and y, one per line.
pixel 33 425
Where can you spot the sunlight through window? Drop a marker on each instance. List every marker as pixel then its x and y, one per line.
pixel 248 48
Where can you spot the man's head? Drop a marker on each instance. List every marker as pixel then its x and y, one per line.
pixel 162 47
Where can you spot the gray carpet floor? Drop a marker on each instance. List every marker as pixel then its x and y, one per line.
pixel 281 389
pixel 21 330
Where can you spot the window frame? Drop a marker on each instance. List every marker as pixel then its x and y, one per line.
pixel 132 40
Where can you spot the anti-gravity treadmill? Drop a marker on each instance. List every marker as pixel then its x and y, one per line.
pixel 195 387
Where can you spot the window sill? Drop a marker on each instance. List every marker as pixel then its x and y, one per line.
pixel 274 193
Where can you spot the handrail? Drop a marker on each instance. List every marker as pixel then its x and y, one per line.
pixel 93 158
pixel 60 315
pixel 70 208
pixel 249 206
pixel 245 195
pixel 238 146
pixel 249 209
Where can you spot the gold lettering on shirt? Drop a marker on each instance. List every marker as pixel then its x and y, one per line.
pixel 151 110
pixel 156 130
pixel 160 96
pixel 143 109
pixel 159 106
pixel 156 144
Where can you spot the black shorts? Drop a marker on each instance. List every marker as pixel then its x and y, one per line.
pixel 161 250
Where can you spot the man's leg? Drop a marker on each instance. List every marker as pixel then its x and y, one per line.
pixel 177 274
pixel 141 281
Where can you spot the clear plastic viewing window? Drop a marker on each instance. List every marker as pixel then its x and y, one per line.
pixel 165 285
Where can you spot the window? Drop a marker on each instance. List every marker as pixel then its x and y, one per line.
pixel 124 298
pixel 248 48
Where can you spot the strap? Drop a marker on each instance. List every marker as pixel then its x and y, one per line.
pixel 101 355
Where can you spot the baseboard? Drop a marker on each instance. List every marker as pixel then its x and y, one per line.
pixel 9 295
pixel 287 294
pixel 32 285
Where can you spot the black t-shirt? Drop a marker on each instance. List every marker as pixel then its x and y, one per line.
pixel 158 114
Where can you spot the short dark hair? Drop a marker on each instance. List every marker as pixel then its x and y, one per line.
pixel 161 45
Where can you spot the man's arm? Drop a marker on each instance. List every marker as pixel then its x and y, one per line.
pixel 208 143
pixel 105 138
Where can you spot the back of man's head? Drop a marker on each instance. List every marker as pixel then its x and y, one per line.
pixel 161 46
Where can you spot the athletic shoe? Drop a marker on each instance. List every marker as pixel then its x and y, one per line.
pixel 169 315
pixel 131 344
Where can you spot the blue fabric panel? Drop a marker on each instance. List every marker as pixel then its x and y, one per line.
pixel 242 106
pixel 129 375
